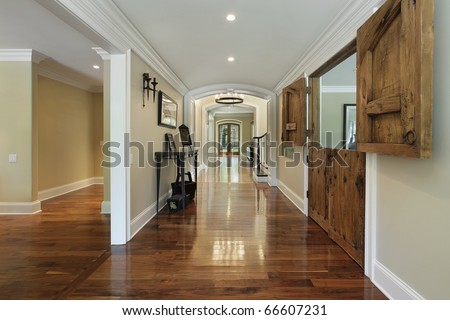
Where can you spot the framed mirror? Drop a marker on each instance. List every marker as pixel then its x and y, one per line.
pixel 167 111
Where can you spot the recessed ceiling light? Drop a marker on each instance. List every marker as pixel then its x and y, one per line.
pixel 96 67
pixel 231 17
pixel 231 59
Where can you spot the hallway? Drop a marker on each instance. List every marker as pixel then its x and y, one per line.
pixel 240 241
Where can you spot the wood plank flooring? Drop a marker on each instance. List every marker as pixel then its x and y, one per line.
pixel 44 256
pixel 237 240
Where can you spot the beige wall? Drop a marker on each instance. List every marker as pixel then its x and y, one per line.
pixel 70 131
pixel 98 134
pixel 16 131
pixel 332 116
pixel 413 202
pixel 144 129
pixel 290 171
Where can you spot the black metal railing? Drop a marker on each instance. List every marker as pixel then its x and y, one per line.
pixel 259 153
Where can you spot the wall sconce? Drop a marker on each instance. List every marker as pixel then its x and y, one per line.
pixel 146 87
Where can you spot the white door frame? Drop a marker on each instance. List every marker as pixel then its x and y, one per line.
pixel 120 125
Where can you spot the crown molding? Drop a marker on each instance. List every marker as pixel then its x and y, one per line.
pixel 67 80
pixel 339 32
pixel 105 18
pixel 102 53
pixel 21 55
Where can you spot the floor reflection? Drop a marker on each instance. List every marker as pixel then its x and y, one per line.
pixel 236 240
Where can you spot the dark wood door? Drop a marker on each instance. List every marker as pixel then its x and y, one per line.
pixel 229 139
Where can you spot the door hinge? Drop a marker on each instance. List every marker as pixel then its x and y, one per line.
pixel 309 133
pixel 307 159
pixel 308 90
pixel 307 194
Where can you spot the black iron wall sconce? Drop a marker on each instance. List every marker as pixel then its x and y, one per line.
pixel 146 82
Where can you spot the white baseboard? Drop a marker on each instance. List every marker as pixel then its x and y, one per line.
pixel 106 207
pixel 58 191
pixel 20 207
pixel 391 285
pixel 148 214
pixel 291 195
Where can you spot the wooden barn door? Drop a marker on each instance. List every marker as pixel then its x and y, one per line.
pixel 317 185
pixel 336 196
pixel 346 201
pixel 395 79
pixel 294 113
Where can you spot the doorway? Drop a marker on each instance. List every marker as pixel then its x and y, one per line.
pixel 229 139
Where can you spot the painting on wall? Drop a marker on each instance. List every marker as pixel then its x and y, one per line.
pixel 349 126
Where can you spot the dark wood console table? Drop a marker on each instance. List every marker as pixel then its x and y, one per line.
pixel 181 157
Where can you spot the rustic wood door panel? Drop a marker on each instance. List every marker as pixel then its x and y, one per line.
pixel 346 201
pixel 395 79
pixel 294 112
pixel 317 200
pixel 314 108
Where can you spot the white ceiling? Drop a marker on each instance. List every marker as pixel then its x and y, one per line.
pixel 25 24
pixel 195 39
pixel 192 37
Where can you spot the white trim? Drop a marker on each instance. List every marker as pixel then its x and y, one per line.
pixel 148 214
pixel 340 31
pixel 108 21
pixel 102 53
pixel 338 89
pixel 392 286
pixel 106 207
pixel 370 249
pixel 44 72
pixel 18 208
pixel 21 55
pixel 58 191
pixel 292 196
pixel 120 125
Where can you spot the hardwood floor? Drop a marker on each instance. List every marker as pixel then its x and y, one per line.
pixel 237 240
pixel 44 256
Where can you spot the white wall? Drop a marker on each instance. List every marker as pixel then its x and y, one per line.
pixel 413 198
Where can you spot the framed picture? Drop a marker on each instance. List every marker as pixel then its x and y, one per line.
pixel 167 111
pixel 170 143
pixel 349 126
pixel 185 135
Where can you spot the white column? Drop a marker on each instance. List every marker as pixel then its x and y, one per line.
pixel 120 125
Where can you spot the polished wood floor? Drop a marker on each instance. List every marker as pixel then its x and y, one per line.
pixel 237 240
pixel 44 256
